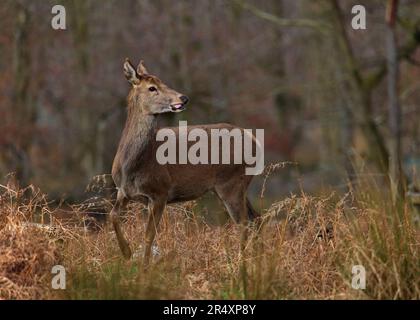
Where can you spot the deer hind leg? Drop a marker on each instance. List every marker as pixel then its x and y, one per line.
pixel 156 208
pixel 115 219
pixel 233 196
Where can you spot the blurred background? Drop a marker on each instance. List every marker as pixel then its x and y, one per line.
pixel 294 68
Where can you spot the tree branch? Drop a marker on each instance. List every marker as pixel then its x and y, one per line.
pixel 404 53
pixel 284 22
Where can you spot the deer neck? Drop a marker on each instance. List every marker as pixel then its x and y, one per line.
pixel 139 135
pixel 141 125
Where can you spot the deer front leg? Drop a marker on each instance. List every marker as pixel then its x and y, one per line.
pixel 115 219
pixel 156 208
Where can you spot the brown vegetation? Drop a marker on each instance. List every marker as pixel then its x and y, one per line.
pixel 305 250
pixel 297 69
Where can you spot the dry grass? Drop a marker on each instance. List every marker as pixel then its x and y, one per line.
pixel 26 252
pixel 305 250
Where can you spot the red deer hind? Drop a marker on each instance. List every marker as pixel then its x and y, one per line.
pixel 138 176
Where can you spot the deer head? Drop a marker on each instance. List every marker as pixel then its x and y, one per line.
pixel 149 94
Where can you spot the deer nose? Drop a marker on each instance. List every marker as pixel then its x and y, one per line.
pixel 184 99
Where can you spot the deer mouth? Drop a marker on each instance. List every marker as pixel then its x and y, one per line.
pixel 177 107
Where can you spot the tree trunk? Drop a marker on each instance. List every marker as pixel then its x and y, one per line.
pixel 88 146
pixel 362 116
pixel 25 114
pixel 394 110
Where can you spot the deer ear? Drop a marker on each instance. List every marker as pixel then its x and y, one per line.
pixel 141 69
pixel 130 73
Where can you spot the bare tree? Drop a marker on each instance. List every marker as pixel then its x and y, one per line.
pixel 394 109
pixel 25 115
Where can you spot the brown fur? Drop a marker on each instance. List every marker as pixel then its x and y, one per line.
pixel 138 175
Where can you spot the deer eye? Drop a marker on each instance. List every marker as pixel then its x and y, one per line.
pixel 152 89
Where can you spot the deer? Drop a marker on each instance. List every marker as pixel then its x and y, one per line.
pixel 139 177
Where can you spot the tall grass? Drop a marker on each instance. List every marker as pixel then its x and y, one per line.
pixel 305 250
pixel 385 239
